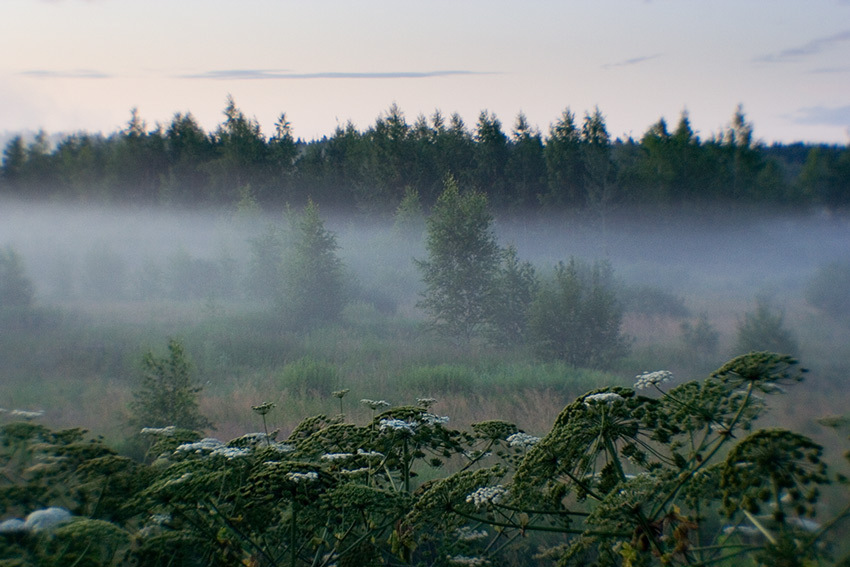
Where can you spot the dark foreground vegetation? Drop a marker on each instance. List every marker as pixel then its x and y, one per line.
pixel 576 163
pixel 666 472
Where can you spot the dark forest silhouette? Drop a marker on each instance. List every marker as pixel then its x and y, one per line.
pixel 575 164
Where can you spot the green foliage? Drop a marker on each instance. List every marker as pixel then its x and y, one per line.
pixel 168 393
pixel 463 259
pixel 576 317
pixel 16 289
pixel 513 289
pixel 575 164
pixel 764 329
pixel 314 288
pixel 664 477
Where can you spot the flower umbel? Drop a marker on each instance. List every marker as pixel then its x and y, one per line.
pixel 486 495
pixel 648 379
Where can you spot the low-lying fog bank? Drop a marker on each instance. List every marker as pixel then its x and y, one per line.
pixel 85 251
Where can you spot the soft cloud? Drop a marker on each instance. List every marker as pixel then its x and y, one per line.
pixel 811 48
pixel 632 61
pixel 75 74
pixel 829 70
pixel 835 116
pixel 252 74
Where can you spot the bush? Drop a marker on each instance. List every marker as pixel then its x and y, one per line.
pixel 576 317
pixel 168 394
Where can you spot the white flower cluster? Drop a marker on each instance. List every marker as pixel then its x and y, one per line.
pixel 355 472
pixel 648 379
pixel 466 560
pixel 375 404
pixel 465 533
pixel 523 440
pixel 431 419
pixel 336 456
pixel 205 444
pixel 486 495
pixel 39 520
pixel 282 447
pixel 398 425
pixel 232 452
pixel 370 454
pixel 426 402
pixel 258 438
pixel 302 477
pixel 606 398
pixel 160 431
pixel 160 519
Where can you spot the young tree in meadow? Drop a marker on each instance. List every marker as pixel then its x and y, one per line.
pixel 575 317
pixel 313 279
pixel 514 288
pixel 168 392
pixel 463 259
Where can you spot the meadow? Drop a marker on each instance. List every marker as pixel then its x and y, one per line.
pixel 76 354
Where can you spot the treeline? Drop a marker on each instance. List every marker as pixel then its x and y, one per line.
pixel 575 164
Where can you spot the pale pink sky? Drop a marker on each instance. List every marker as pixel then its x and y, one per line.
pixel 73 65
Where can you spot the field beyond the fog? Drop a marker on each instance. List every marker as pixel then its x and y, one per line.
pixel 76 355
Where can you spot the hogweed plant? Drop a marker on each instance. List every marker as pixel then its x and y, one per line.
pixel 664 473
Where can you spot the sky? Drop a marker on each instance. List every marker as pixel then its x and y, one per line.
pixel 82 65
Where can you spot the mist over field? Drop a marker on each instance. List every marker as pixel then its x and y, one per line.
pixel 78 252
pixel 112 282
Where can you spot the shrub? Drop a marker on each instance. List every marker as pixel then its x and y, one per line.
pixel 168 394
pixel 576 317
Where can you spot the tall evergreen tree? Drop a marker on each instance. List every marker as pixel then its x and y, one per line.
pixel 314 285
pixel 564 164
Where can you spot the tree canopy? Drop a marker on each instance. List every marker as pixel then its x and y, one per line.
pixel 577 163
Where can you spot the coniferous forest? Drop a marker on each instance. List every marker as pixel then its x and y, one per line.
pixel 575 163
